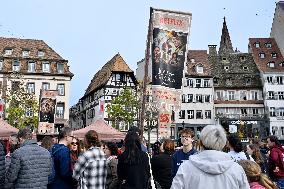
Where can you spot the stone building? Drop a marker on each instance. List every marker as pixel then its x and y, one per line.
pixel 106 84
pixel 239 105
pixel 197 106
pixel 277 29
pixel 39 67
pixel 270 62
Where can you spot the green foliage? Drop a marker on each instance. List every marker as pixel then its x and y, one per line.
pixel 18 101
pixel 151 117
pixel 123 108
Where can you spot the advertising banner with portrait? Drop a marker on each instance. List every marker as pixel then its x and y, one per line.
pixel 170 31
pixel 47 112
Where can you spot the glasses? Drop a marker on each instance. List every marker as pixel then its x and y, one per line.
pixel 74 143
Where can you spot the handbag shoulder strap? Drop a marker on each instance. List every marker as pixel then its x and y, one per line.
pixel 151 175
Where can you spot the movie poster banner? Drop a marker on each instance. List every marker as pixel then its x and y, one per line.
pixel 170 31
pixel 47 112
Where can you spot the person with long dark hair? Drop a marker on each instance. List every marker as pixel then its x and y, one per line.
pixel 254 152
pixel 111 152
pixel 133 167
pixel 236 148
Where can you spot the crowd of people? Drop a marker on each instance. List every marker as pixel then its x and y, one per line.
pixel 214 161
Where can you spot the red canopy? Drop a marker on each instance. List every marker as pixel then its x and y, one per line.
pixel 7 130
pixel 105 131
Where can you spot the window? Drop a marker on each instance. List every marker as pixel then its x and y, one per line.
pixel 271 64
pixel 1 64
pixel 199 98
pixel 242 58
pixel 219 95
pixel 15 85
pixel 29 112
pixel 216 81
pixel 60 67
pixel 279 80
pixel 281 95
pixel 46 67
pixel 231 95
pixel 61 89
pixel 192 60
pixel 31 87
pixel 243 111
pixel 274 55
pixel 229 81
pixel 182 114
pixel 190 82
pixel 254 111
pixel 190 114
pixel 261 55
pixel 257 44
pixel 45 86
pixel 243 95
pixel 206 83
pixel 199 69
pixel 226 68
pixel 272 112
pixel 40 53
pixel 245 68
pixel 248 81
pixel 198 83
pixel 16 66
pixel 224 58
pixel 60 110
pixel 207 114
pixel 281 112
pixel 199 114
pixel 270 95
pixel 254 95
pixel 269 79
pixel 281 64
pixel 31 66
pixel 8 52
pixel 206 98
pixel 189 98
pixel 26 53
pixel 268 45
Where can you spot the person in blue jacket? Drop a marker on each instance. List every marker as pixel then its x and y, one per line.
pixel 187 150
pixel 62 161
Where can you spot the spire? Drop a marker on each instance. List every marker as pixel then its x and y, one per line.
pixel 225 43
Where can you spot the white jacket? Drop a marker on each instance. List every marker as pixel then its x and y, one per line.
pixel 210 169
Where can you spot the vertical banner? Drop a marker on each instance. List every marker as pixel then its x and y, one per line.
pixel 169 45
pixel 102 106
pixel 47 111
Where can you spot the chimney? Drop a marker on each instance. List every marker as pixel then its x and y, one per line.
pixel 212 50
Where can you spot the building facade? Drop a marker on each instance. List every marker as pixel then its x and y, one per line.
pixel 39 67
pixel 277 29
pixel 238 101
pixel 106 84
pixel 270 62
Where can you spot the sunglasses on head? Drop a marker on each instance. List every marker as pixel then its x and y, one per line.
pixel 73 143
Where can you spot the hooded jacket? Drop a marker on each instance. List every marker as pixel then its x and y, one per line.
pixel 210 169
pixel 276 160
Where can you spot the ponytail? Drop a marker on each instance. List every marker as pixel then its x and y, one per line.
pixel 266 182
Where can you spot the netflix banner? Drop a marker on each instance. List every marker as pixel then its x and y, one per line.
pixel 47 111
pixel 170 31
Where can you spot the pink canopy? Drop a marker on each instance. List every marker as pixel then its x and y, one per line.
pixel 6 130
pixel 105 131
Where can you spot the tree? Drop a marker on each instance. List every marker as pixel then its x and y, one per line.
pixel 123 108
pixel 21 106
pixel 151 118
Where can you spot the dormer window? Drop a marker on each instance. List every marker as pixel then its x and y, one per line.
pixel 26 53
pixel 60 67
pixel 274 55
pixel 229 81
pixel 245 68
pixel 224 58
pixel 16 66
pixel 268 45
pixel 271 64
pixel 192 60
pixel 242 58
pixel 248 81
pixel 199 69
pixel 281 64
pixel 46 67
pixel 8 52
pixel 257 44
pixel 1 64
pixel 261 55
pixel 40 53
pixel 226 68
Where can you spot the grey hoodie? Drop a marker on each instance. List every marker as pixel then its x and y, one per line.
pixel 210 169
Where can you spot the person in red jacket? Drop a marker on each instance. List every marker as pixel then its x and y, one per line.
pixel 275 161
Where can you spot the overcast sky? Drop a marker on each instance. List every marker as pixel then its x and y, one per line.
pixel 88 33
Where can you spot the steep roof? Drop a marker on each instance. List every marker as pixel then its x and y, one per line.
pixel 116 64
pixel 225 43
pixel 262 63
pixel 196 58
pixel 33 45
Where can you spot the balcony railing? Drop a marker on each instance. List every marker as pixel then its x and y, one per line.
pixel 241 116
pixel 59 115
